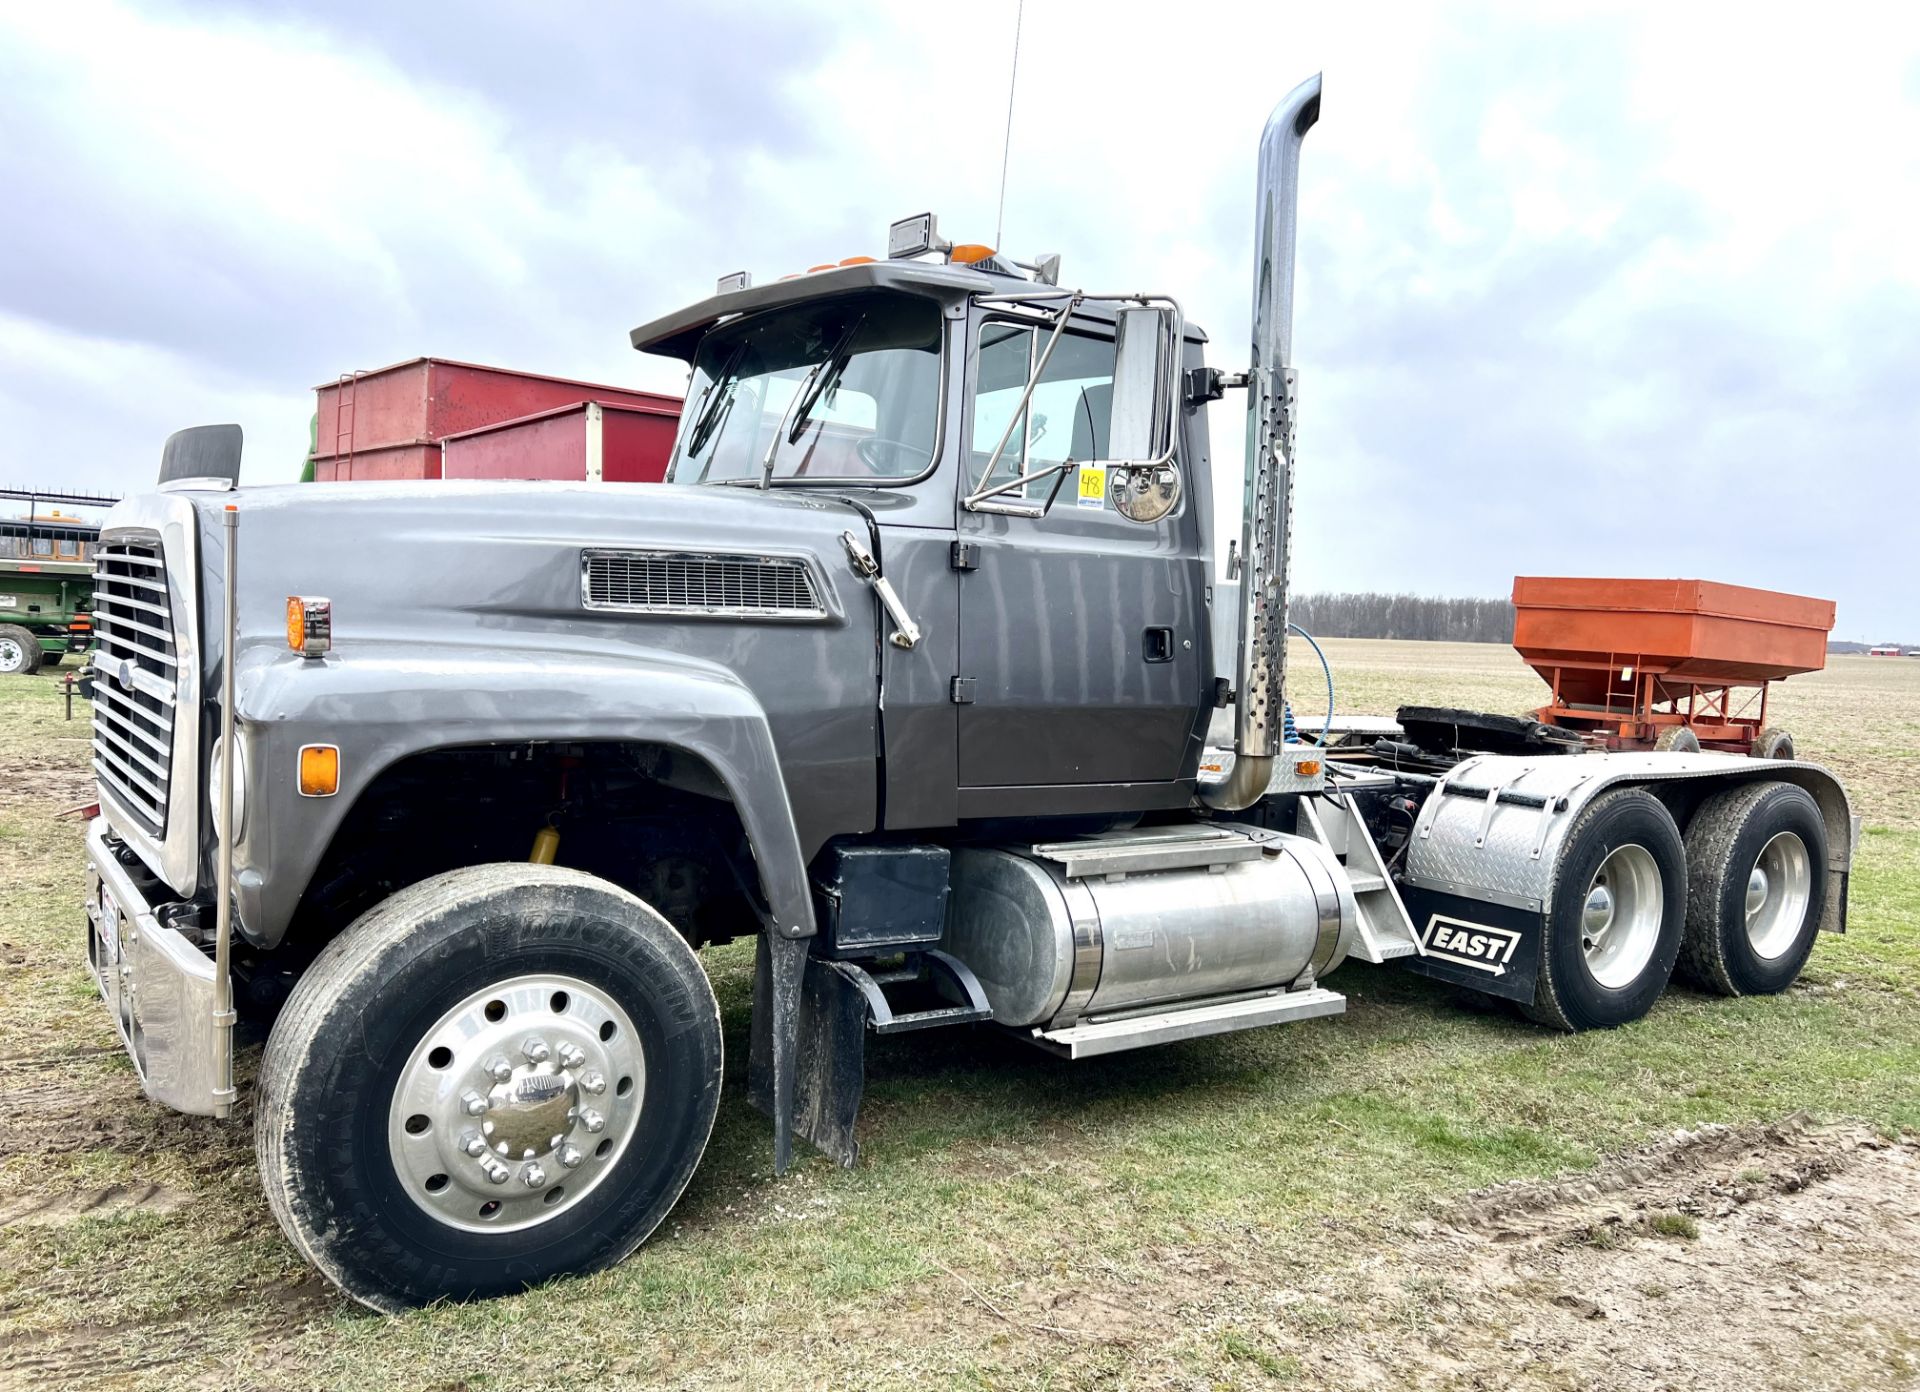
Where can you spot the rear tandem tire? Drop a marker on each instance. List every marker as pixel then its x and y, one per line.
pixel 19 651
pixel 1772 743
pixel 551 1012
pixel 1678 739
pixel 1615 915
pixel 1757 883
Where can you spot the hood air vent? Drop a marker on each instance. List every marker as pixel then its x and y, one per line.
pixel 700 585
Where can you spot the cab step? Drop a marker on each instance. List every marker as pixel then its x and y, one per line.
pixel 930 989
pixel 1385 929
pixel 1089 1038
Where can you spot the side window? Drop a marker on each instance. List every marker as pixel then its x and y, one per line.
pixel 1067 417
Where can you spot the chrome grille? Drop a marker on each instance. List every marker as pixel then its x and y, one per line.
pixel 673 582
pixel 136 678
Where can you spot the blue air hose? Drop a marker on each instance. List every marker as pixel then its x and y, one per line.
pixel 1326 730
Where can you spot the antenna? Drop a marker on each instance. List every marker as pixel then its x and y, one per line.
pixel 1013 79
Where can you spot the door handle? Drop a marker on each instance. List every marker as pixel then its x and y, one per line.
pixel 1157 645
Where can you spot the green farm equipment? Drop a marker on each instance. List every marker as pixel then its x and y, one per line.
pixel 46 577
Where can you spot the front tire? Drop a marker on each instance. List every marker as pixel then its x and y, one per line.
pixel 1615 916
pixel 1757 866
pixel 499 1075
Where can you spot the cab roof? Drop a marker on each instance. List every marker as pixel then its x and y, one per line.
pixel 678 335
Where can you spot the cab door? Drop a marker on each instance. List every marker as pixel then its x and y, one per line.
pixel 1081 633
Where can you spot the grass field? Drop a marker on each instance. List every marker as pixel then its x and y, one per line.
pixel 1249 1211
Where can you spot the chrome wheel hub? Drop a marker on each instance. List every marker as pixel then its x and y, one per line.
pixel 1779 887
pixel 1620 917
pixel 516 1103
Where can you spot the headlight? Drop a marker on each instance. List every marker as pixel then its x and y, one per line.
pixel 239 789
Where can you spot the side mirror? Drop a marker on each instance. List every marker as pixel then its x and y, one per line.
pixel 202 452
pixel 1142 478
pixel 1142 403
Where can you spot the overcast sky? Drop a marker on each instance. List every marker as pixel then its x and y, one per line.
pixel 1580 293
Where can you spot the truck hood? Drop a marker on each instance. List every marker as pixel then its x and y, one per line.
pixel 450 559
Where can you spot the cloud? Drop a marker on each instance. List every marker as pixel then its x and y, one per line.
pixel 1582 290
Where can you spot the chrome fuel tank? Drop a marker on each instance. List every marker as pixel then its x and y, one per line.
pixel 1085 928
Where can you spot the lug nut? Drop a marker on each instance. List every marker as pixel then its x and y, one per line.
pixel 571 1156
pixel 497 1173
pixel 533 1176
pixel 473 1143
pixel 499 1069
pixel 594 1081
pixel 473 1103
pixel 571 1056
pixel 536 1050
pixel 592 1120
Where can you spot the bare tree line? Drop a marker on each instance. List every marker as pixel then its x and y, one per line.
pixel 1432 618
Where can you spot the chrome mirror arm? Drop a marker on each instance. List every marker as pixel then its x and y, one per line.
pixel 974 499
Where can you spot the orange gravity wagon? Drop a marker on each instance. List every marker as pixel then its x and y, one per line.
pixel 1668 664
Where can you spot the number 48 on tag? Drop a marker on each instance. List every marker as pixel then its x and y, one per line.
pixel 1093 486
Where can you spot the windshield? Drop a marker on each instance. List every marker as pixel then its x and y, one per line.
pixel 843 389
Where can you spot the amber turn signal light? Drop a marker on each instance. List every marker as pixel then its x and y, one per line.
pixel 319 770
pixel 309 625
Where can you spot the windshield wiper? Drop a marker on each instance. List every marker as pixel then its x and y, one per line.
pixel 715 403
pixel 813 386
pixel 824 382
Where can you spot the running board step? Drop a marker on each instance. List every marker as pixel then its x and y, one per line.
pixel 1385 929
pixel 964 1002
pixel 1091 1038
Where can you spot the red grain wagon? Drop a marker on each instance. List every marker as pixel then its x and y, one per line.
pixel 1669 664
pixel 389 423
pixel 591 440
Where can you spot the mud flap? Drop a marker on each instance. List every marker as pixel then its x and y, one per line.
pixel 1490 948
pixel 806 1066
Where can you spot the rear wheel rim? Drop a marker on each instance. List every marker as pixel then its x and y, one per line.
pixel 1779 887
pixel 12 656
pixel 516 1103
pixel 1620 916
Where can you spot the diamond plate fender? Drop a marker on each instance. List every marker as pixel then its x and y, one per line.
pixel 1493 830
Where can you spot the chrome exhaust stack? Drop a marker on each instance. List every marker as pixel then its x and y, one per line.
pixel 1266 527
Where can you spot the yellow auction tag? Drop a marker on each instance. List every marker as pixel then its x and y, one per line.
pixel 1093 486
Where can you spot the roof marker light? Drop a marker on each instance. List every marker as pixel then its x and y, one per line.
pixel 739 280
pixel 968 253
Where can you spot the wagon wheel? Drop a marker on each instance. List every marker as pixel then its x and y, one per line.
pixel 1678 739
pixel 1772 743
pixel 19 650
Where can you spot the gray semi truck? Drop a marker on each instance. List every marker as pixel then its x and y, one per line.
pixel 920 670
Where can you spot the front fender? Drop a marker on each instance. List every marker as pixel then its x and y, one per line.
pixel 390 700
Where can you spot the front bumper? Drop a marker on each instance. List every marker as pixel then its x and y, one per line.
pixel 157 983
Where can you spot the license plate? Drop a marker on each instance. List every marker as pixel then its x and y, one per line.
pixel 109 929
